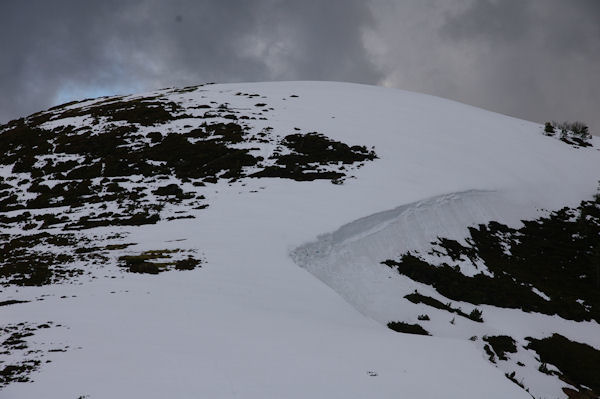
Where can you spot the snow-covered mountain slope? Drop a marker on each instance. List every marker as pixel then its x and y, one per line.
pixel 227 241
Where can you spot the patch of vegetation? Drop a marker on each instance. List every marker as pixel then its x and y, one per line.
pixel 490 353
pixel 137 219
pixel 188 89
pixel 146 262
pixel 415 297
pixel 143 111
pixel 558 255
pixel 72 167
pixel 511 376
pixel 118 152
pixel 43 258
pixel 15 345
pixel 22 264
pixel 115 247
pixel 579 363
pixel 544 369
pixel 187 264
pixel 211 157
pixel 476 315
pixel 20 218
pixel 18 372
pixel 407 328
pixel 21 142
pixel 573 133
pixel 309 152
pixel 501 344
pixel 455 250
pixel 11 302
pixel 173 192
pixel 50 219
pixel 104 171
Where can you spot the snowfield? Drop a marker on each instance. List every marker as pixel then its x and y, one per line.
pixel 292 300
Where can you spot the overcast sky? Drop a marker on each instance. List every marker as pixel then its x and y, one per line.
pixel 534 59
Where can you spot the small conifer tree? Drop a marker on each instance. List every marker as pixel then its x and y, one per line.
pixel 549 129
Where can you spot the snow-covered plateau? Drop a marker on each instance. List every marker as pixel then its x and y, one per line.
pixel 229 240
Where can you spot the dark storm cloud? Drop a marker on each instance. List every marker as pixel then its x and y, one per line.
pixel 61 49
pixel 535 59
pixel 565 27
pixel 47 45
pixel 538 60
pixel 490 20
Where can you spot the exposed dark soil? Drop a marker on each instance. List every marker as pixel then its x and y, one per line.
pixel 415 297
pixel 15 339
pixel 309 152
pixel 11 302
pixel 73 167
pixel 501 344
pixel 157 261
pixel 119 150
pixel 407 328
pixel 579 363
pixel 37 259
pixel 558 255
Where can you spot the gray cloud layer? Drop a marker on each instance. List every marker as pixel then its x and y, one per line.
pixel 535 59
pixel 63 47
pixel 539 60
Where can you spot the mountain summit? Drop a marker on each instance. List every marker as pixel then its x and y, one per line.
pixel 293 240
